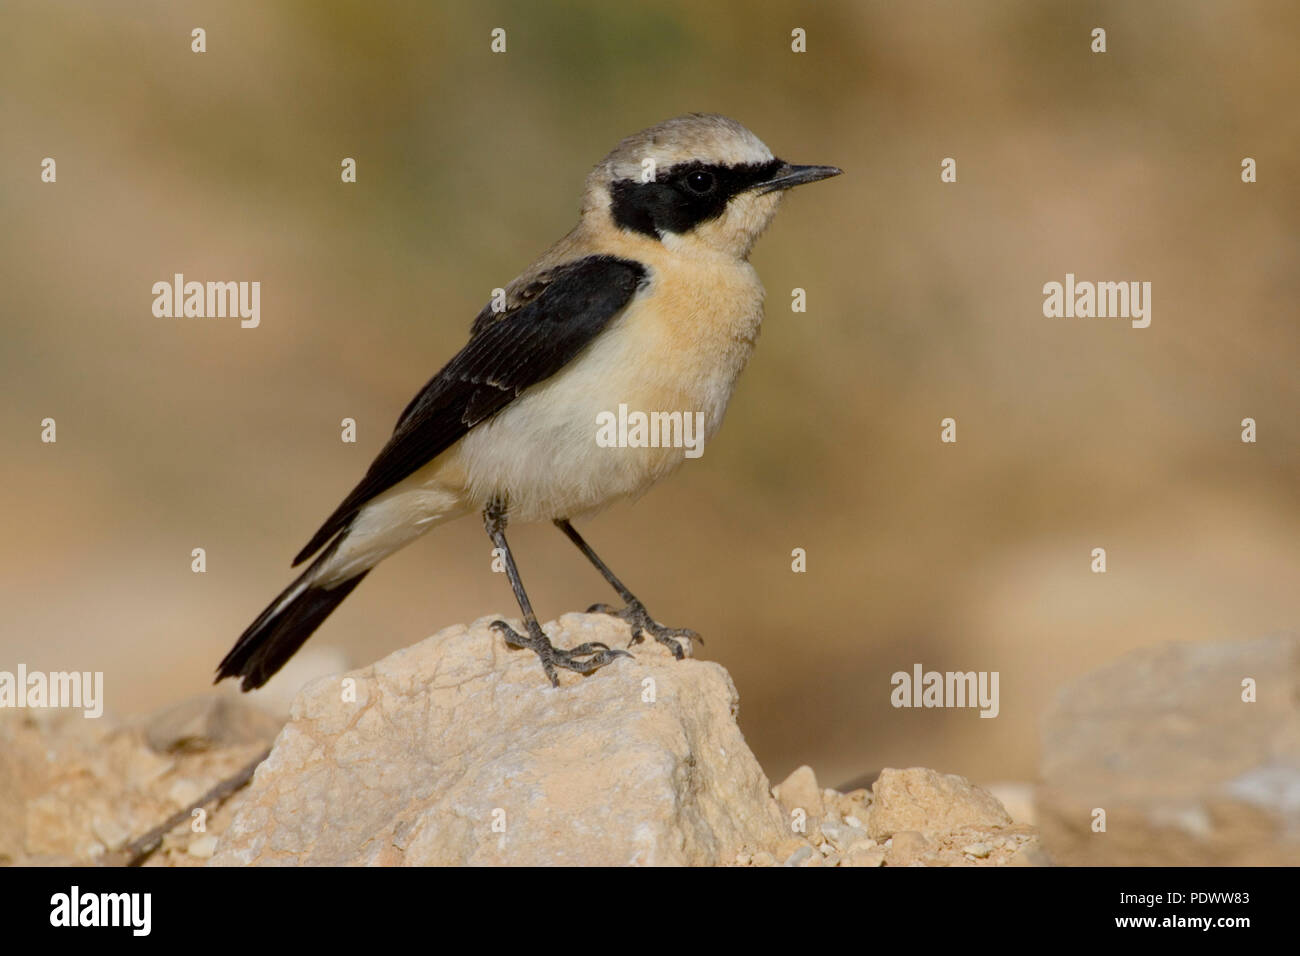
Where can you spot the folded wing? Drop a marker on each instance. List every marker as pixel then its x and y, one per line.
pixel 551 320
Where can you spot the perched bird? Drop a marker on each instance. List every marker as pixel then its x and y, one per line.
pixel 649 303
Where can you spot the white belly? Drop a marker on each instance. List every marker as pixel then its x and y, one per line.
pixel 678 350
pixel 542 450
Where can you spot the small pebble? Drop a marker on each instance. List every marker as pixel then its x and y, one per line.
pixel 111 833
pixel 865 856
pixel 184 792
pixel 202 847
pixel 799 856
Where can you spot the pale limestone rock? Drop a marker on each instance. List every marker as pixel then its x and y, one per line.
pixel 799 794
pixel 1186 770
pixel 800 857
pixel 842 836
pixel 930 803
pixel 864 854
pixel 202 847
pixel 800 791
pixel 906 847
pixel 457 750
pixel 110 832
pixel 73 790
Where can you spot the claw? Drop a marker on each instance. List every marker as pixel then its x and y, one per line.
pixel 589 648
pixel 597 654
pixel 642 623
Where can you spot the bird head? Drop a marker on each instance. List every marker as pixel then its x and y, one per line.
pixel 700 182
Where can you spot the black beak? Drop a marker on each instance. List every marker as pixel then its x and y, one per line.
pixel 787 176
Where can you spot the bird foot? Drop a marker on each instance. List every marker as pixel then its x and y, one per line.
pixel 642 624
pixel 584 658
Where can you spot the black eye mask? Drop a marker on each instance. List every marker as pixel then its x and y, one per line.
pixel 683 196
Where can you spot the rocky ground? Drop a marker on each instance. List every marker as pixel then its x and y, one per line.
pixel 456 751
pixel 912 817
pixel 76 791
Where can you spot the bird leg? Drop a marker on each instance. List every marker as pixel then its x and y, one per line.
pixel 584 658
pixel 635 613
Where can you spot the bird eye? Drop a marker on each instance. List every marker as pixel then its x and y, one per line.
pixel 699 181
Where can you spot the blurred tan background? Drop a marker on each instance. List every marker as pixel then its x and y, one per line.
pixel 924 300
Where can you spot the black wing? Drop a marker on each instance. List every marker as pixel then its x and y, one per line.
pixel 549 323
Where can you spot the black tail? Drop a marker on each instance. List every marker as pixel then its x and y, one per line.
pixel 276 635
